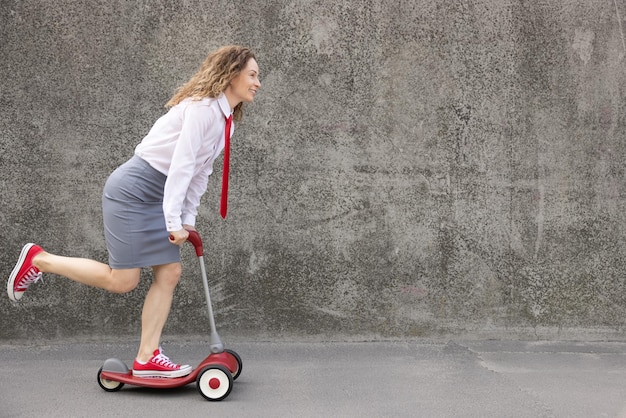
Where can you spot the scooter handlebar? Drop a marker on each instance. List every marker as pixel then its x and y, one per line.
pixel 196 241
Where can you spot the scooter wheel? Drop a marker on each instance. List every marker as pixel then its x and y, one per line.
pixel 108 385
pixel 214 382
pixel 239 363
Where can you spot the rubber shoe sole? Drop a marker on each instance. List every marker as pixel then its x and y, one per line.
pixel 183 371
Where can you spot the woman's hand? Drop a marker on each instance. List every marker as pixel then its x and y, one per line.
pixel 179 237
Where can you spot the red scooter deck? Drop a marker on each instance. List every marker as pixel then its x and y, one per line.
pixel 225 359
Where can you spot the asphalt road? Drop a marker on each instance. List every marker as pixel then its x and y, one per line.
pixel 373 379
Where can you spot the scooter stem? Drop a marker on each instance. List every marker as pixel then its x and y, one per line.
pixel 215 343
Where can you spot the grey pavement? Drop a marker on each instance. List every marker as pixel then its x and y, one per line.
pixel 355 379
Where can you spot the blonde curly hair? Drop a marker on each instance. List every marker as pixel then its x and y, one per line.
pixel 214 76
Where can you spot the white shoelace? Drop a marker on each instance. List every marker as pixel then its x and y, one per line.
pixel 32 276
pixel 162 360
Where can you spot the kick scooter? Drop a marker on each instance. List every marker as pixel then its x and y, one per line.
pixel 214 376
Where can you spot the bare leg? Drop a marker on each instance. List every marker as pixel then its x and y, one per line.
pixel 156 308
pixel 89 272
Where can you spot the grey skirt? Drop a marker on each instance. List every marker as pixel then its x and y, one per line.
pixel 134 225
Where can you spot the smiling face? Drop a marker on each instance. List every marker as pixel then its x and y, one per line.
pixel 244 86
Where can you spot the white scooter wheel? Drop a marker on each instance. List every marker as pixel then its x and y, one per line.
pixel 108 385
pixel 214 382
pixel 239 363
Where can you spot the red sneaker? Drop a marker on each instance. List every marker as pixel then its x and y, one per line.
pixel 160 366
pixel 24 274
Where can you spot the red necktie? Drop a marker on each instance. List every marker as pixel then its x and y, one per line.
pixel 224 200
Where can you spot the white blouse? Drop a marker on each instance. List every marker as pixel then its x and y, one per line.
pixel 183 144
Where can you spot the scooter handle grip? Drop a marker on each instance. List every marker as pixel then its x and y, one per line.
pixel 195 240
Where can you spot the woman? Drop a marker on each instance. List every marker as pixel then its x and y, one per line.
pixel 150 202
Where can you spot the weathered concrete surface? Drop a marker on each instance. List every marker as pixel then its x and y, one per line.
pixel 409 169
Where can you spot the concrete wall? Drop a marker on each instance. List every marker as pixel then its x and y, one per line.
pixel 409 169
